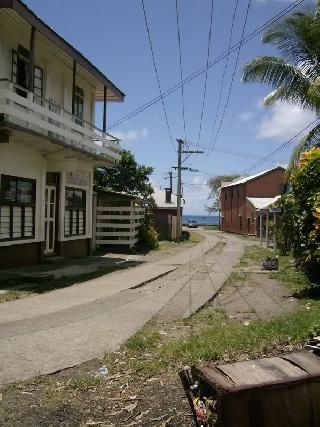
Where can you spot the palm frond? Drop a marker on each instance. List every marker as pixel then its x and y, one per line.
pixel 298 39
pixel 312 139
pixel 290 83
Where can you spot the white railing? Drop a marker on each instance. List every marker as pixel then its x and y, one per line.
pixel 118 225
pixel 27 110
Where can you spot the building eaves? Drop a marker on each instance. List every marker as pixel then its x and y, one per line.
pixel 243 180
pixel 23 10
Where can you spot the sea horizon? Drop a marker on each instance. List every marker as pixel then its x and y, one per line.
pixel 202 219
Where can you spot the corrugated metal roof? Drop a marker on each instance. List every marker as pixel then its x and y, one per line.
pixel 245 179
pixel 160 199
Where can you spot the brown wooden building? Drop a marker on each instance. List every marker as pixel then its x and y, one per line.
pixel 165 215
pixel 238 212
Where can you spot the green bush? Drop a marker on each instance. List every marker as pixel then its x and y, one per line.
pixel 148 237
pixel 297 229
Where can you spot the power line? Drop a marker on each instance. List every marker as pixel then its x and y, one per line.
pixel 225 66
pixel 281 147
pixel 213 143
pixel 157 73
pixel 212 63
pixel 206 75
pixel 181 74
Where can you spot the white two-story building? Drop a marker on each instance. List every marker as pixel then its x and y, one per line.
pixel 49 145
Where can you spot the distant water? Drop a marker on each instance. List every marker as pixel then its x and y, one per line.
pixel 202 219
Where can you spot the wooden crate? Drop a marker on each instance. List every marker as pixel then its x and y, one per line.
pixel 279 391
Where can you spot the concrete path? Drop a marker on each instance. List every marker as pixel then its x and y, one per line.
pixel 49 332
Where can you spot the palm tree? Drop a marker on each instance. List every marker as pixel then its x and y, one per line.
pixel 295 74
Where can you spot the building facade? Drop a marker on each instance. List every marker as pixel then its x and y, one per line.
pixel 239 200
pixel 165 215
pixel 49 145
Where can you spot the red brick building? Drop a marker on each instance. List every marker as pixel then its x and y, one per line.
pixel 240 199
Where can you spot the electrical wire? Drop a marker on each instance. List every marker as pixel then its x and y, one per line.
pixel 206 75
pixel 225 66
pixel 157 73
pixel 213 143
pixel 181 73
pixel 212 63
pixel 281 147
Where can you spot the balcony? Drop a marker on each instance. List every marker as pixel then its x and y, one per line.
pixel 25 110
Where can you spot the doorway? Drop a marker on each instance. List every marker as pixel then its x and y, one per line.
pixel 50 219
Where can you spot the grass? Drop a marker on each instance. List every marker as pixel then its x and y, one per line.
pixel 210 227
pixel 212 337
pixel 195 237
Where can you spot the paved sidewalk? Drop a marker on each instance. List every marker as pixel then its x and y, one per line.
pixel 53 331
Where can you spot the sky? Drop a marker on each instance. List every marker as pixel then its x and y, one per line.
pixel 112 34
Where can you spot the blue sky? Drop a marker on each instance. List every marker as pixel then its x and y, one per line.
pixel 112 34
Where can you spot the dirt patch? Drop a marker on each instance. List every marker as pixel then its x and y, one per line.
pixel 255 297
pixel 76 397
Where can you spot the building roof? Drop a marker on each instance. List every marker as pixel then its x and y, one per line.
pixel 262 202
pixel 29 16
pixel 160 199
pixel 243 180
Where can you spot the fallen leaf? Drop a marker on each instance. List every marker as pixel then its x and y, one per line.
pixel 93 423
pixel 131 407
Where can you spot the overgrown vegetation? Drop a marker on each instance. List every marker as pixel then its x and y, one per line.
pixel 298 229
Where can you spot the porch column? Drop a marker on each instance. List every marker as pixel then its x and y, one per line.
pixel 104 109
pixel 74 72
pixel 274 234
pixel 261 219
pixel 267 229
pixel 31 62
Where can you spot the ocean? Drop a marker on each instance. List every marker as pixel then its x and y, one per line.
pixel 201 219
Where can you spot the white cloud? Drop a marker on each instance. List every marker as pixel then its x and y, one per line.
pixel 246 116
pixel 283 121
pixel 131 135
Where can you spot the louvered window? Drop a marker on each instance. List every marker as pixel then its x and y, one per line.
pixel 75 212
pixel 17 208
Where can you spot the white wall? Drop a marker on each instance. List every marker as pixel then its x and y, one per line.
pixel 17 159
pixel 57 66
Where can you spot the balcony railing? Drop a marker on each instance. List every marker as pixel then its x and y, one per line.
pixel 27 110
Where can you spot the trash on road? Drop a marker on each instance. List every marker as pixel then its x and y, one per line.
pixel 270 263
pixel 102 372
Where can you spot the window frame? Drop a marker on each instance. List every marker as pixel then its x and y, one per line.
pixel 11 204
pixel 78 100
pixel 75 209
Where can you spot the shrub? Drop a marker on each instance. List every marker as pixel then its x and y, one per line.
pixel 298 228
pixel 148 237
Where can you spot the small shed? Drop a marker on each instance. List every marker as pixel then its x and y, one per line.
pixel 117 218
pixel 165 215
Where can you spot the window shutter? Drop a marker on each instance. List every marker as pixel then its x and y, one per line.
pixel 14 66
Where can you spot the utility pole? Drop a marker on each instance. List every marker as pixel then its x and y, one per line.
pixel 178 232
pixel 179 186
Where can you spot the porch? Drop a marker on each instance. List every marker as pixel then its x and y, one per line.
pixel 24 110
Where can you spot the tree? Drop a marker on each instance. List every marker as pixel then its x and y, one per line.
pixel 214 184
pixel 127 176
pixel 299 224
pixel 295 75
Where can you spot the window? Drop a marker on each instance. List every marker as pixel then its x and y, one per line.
pixel 17 208
pixel 20 69
pixel 75 212
pixel 38 83
pixel 78 105
pixel 240 222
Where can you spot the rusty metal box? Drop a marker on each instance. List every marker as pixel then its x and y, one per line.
pixel 279 391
